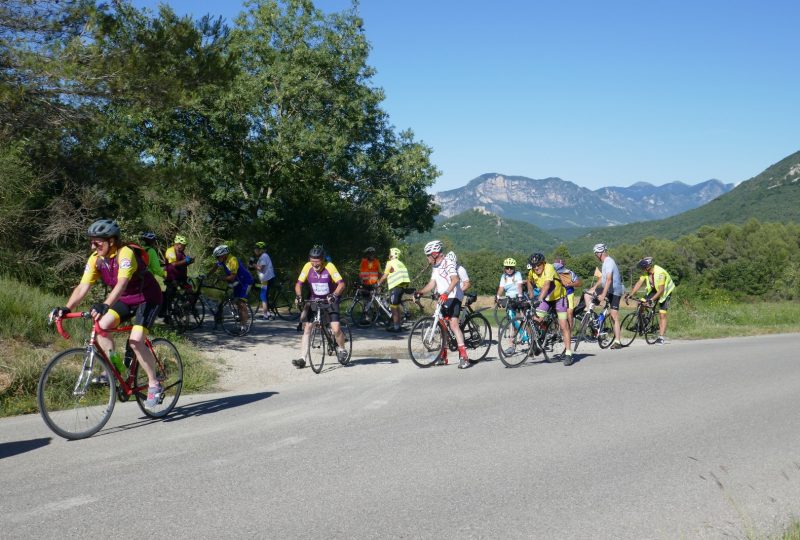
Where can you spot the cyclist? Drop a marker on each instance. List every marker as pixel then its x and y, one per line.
pixel 326 284
pixel 154 264
pixel 610 286
pixel 659 288
pixel 237 275
pixel 134 294
pixel 369 271
pixel 510 280
pixel 551 293
pixel 444 277
pixel 396 274
pixel 266 275
pixel 177 271
pixel 569 280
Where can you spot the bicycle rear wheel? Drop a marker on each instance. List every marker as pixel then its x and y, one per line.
pixel 514 342
pixel 169 372
pixel 232 321
pixel 197 312
pixel 283 304
pixel 477 336
pixel 76 394
pixel 553 341
pixel 425 342
pixel 629 328
pixel 362 316
pixel 348 343
pixel 316 348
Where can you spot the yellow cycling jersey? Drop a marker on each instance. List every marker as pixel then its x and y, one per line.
pixel 127 265
pixel 557 291
pixel 660 277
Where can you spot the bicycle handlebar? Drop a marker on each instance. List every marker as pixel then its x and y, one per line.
pixel 77 315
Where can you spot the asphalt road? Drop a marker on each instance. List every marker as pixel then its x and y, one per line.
pixel 690 440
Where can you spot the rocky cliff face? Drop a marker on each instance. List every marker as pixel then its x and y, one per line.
pixel 556 203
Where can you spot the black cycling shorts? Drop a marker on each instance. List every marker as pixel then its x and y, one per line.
pixel 143 314
pixel 396 296
pixel 329 313
pixel 451 308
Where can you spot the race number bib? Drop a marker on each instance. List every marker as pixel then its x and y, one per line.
pixel 321 289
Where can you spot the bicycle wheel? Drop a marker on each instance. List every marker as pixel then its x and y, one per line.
pixel 348 343
pixel 76 393
pixel 425 342
pixel 169 372
pixel 651 330
pixel 315 355
pixel 361 315
pixel 254 297
pixel 631 325
pixel 283 304
pixel 554 339
pixel 514 342
pixel 179 317
pixel 477 336
pixel 232 323
pixel 605 335
pixel 197 312
pixel 584 327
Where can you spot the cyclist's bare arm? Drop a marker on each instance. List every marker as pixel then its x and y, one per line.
pixel 77 296
pixel 423 291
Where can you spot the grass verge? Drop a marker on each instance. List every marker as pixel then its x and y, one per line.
pixel 27 344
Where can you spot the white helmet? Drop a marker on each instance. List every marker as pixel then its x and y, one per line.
pixel 219 251
pixel 600 248
pixel 451 256
pixel 434 246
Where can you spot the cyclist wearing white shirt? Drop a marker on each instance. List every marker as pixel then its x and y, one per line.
pixel 444 277
pixel 462 272
pixel 510 280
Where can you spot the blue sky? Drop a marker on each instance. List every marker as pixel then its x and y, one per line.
pixel 598 93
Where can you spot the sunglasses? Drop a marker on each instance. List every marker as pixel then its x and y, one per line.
pixel 509 267
pixel 97 243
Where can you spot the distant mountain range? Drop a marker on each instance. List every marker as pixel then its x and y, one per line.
pixel 553 203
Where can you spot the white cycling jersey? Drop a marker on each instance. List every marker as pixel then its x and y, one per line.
pixel 441 275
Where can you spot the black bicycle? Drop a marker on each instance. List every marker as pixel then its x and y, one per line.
pixel 322 341
pixel 642 322
pixel 525 336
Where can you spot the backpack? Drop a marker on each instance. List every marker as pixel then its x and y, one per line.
pixel 141 253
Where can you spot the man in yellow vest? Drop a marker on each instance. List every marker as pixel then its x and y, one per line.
pixel 659 288
pixel 370 269
pixel 396 274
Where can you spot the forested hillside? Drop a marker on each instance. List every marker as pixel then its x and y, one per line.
pixel 270 129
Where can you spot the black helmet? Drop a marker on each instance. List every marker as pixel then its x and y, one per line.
pixel 645 263
pixel 104 228
pixel 317 252
pixel 369 250
pixel 150 236
pixel 535 259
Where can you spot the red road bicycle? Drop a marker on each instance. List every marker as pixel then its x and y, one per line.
pixel 79 387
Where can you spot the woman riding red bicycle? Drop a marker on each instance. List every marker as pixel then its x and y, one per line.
pixel 134 294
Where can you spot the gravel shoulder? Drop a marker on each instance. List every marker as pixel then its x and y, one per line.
pixel 263 357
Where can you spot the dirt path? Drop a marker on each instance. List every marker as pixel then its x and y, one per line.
pixel 263 357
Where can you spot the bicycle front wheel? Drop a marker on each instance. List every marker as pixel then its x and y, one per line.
pixel 651 330
pixel 554 339
pixel 316 349
pixel 629 328
pixel 605 335
pixel 169 372
pixel 477 336
pixel 425 342
pixel 76 394
pixel 237 317
pixel 514 342
pixel 197 312
pixel 584 327
pixel 361 315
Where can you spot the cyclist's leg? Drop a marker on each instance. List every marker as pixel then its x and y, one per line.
pixel 662 309
pixel 614 312
pixel 333 317
pixel 240 294
pixel 110 320
pixel 562 312
pixel 395 298
pixel 144 315
pixel 571 311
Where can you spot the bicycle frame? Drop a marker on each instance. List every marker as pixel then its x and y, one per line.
pixel 126 386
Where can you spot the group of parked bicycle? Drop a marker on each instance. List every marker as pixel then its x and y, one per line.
pixel 540 316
